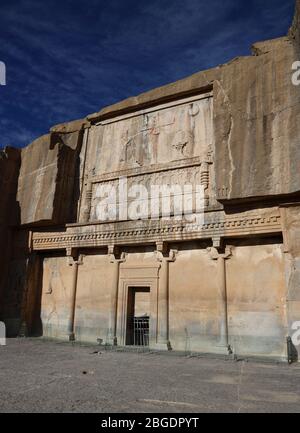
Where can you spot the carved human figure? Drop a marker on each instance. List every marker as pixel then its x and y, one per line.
pixel 183 140
pixel 150 132
pixel 129 149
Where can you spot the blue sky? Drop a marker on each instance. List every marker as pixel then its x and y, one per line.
pixel 68 58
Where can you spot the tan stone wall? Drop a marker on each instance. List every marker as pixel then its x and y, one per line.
pixel 56 297
pixel 93 299
pixel 194 321
pixel 256 293
pixel 49 180
pixel 291 226
pixel 257 124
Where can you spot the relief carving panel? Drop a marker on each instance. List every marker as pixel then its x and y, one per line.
pixel 159 135
pixel 170 145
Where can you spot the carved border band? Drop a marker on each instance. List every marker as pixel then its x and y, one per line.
pixel 150 232
pixel 139 171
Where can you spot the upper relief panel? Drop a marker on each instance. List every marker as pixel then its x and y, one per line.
pixel 161 135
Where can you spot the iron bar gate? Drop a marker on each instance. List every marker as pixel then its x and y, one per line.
pixel 141 331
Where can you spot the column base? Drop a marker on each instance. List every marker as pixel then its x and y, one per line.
pixel 109 341
pixel 162 347
pixel 224 350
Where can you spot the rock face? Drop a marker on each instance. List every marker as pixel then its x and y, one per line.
pixel 9 209
pixel 90 249
pixel 259 154
pixel 49 177
pixel 294 32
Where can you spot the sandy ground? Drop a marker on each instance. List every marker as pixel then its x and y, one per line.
pixel 40 376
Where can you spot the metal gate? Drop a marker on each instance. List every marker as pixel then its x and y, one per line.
pixel 141 331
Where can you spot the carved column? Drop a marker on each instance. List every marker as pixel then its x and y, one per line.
pixel 75 261
pixel 222 286
pixel 115 259
pixel 88 202
pixel 205 174
pixel 164 258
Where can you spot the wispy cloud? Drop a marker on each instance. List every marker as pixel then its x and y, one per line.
pixel 67 59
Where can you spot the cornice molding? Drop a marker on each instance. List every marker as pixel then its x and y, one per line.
pixel 148 232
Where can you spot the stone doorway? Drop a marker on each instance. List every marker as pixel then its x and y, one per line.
pixel 138 316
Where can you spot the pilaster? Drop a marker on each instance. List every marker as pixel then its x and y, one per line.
pixel 164 256
pixel 221 256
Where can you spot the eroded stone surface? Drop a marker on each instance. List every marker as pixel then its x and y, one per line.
pixel 48 184
pixel 9 209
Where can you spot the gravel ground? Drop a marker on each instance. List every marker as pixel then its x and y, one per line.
pixel 42 376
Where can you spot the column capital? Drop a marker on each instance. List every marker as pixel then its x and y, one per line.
pixel 161 247
pixel 217 242
pixel 216 253
pixel 163 254
pixel 115 255
pixel 74 256
pixel 75 259
pixel 72 252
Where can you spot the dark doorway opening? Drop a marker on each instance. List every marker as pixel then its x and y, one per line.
pixel 138 316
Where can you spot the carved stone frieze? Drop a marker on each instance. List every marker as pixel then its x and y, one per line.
pixel 133 232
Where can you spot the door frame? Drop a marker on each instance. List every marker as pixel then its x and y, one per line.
pixel 137 277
